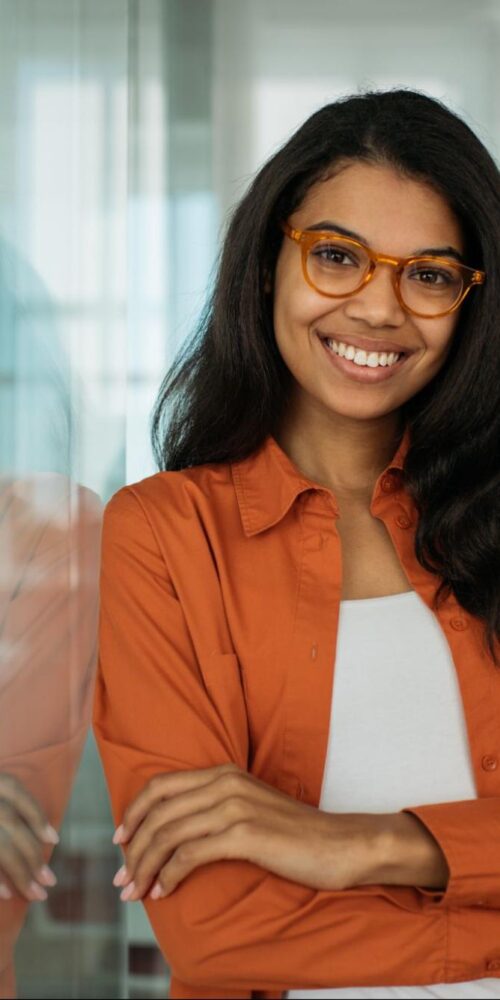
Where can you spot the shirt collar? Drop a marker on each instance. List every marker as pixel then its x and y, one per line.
pixel 267 482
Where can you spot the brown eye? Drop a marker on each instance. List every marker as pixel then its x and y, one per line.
pixel 333 254
pixel 437 277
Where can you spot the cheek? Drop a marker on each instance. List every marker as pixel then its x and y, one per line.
pixel 295 303
pixel 298 311
pixel 438 338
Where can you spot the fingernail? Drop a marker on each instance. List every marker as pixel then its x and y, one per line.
pixel 126 893
pixel 118 835
pixel 46 875
pixel 5 892
pixel 121 876
pixel 36 891
pixel 156 891
pixel 50 834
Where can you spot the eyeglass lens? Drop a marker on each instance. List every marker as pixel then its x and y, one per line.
pixel 338 268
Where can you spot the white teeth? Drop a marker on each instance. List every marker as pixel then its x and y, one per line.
pixel 371 360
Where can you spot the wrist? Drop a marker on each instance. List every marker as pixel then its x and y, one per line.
pixel 408 854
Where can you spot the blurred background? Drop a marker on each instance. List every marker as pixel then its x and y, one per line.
pixel 128 131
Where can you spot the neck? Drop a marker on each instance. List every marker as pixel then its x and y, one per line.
pixel 343 454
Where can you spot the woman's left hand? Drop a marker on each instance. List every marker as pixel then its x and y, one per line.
pixel 185 819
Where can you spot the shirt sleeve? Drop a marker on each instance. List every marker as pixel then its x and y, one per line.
pixel 468 833
pixel 50 532
pixel 229 924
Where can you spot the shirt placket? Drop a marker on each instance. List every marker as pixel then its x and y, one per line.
pixel 478 682
pixel 308 694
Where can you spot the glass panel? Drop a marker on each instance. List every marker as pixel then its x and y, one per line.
pixel 100 191
pixel 63 319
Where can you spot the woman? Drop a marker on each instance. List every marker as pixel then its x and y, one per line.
pixel 300 613
pixel 49 545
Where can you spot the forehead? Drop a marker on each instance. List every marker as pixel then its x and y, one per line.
pixel 388 210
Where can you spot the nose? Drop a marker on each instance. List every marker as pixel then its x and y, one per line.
pixel 376 302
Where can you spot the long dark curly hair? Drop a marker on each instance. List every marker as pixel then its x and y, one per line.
pixel 228 387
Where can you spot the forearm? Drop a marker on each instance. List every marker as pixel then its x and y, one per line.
pixel 407 854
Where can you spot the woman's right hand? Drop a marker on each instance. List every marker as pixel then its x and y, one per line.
pixel 24 831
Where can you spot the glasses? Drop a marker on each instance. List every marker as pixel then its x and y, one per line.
pixel 336 266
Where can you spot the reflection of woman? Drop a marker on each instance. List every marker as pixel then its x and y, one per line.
pixel 49 540
pixel 49 547
pixel 327 523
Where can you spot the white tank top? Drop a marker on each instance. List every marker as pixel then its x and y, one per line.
pixel 395 676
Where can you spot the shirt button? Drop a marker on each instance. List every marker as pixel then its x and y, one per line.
pixel 403 521
pixel 493 963
pixel 458 623
pixel 489 763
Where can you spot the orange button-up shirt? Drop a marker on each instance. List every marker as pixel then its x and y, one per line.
pixel 220 594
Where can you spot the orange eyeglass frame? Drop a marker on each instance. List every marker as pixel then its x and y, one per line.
pixel 306 238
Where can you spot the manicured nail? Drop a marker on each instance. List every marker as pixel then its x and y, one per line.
pixel 5 892
pixel 50 834
pixel 36 891
pixel 157 891
pixel 46 876
pixel 127 893
pixel 121 876
pixel 118 835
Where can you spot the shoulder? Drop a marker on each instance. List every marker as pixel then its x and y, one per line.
pixel 48 505
pixel 46 492
pixel 174 526
pixel 183 489
pixel 173 502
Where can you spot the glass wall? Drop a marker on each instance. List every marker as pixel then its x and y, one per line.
pixel 128 130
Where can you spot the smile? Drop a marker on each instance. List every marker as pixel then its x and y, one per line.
pixel 382 365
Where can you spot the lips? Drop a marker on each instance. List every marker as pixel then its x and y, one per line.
pixel 362 374
pixel 363 344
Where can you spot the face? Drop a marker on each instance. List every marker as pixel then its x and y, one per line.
pixel 394 216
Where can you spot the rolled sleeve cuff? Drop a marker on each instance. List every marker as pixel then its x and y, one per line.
pixel 468 833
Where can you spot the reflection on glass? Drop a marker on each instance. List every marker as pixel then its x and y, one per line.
pixel 49 542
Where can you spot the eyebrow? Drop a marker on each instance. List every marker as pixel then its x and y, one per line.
pixel 447 251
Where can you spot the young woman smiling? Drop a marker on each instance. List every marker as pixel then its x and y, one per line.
pixel 298 698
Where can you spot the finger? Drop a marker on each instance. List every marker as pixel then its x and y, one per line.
pixel 5 890
pixel 12 791
pixel 163 814
pixel 164 786
pixel 227 783
pixel 222 846
pixel 218 819
pixel 160 787
pixel 230 788
pixel 17 873
pixel 21 849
